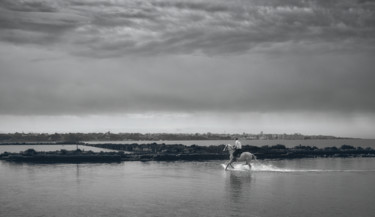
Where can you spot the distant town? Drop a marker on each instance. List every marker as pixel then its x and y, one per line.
pixel 108 136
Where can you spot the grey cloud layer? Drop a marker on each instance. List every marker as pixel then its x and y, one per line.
pixel 235 56
pixel 115 28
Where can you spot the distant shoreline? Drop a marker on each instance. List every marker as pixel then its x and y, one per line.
pixel 158 141
pixel 125 137
pixel 320 143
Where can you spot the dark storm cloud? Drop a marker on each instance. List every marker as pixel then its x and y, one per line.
pixel 235 56
pixel 116 28
pixel 36 22
pixel 28 6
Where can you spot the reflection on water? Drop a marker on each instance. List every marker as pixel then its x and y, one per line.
pixel 77 173
pixel 238 187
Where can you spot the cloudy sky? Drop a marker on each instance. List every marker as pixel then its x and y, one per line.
pixel 223 66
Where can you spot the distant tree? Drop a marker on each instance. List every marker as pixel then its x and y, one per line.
pixel 56 137
pixel 251 148
pixel 71 137
pixel 347 147
pixel 5 137
pixel 29 152
pixel 333 148
pixel 63 151
pixel 278 146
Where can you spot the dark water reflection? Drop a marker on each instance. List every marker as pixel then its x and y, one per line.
pixel 238 190
pixel 239 185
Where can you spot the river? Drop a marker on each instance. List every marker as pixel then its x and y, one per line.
pixel 322 187
pixel 44 147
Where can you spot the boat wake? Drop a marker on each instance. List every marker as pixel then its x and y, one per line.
pixel 237 167
pixel 260 167
pixel 271 168
pixel 257 167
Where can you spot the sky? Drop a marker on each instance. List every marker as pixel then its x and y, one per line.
pixel 186 66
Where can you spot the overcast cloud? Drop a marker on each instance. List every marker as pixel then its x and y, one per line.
pixel 108 28
pixel 227 59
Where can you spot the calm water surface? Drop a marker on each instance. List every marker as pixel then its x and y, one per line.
pixel 307 187
pixel 19 148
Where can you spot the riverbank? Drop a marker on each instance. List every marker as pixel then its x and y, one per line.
pixel 155 151
pixel 62 156
pixel 178 152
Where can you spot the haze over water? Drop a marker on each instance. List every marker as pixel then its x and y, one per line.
pixel 306 187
